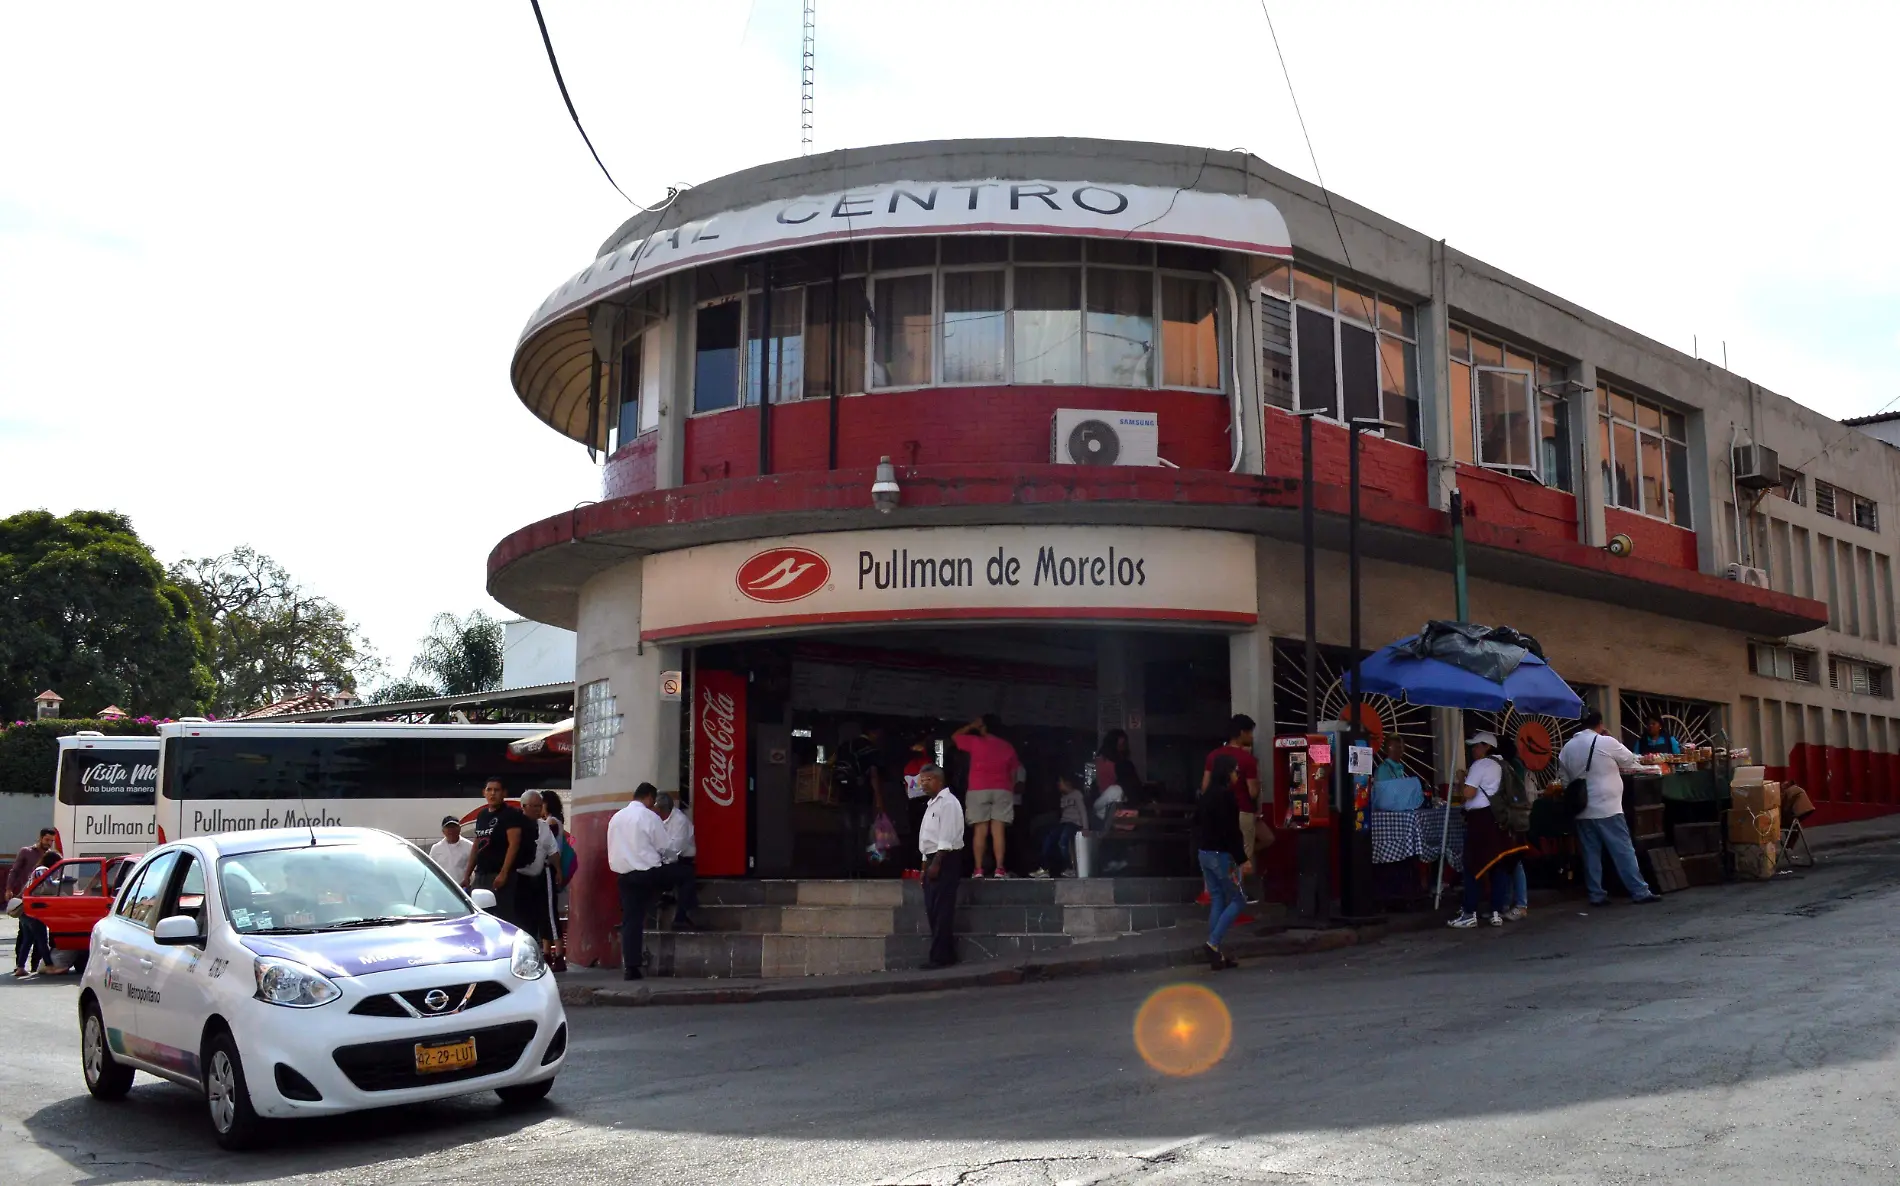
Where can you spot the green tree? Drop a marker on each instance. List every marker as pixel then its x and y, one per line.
pixel 268 637
pixel 403 689
pixel 461 655
pixel 88 611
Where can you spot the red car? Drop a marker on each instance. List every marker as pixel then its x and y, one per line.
pixel 74 894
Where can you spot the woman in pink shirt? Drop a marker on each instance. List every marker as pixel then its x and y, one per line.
pixel 990 794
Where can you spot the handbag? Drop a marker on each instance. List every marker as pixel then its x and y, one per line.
pixel 1577 790
pixel 1398 794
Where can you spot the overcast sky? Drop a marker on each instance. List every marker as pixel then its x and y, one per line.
pixel 262 266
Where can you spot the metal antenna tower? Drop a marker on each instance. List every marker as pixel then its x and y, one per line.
pixel 805 78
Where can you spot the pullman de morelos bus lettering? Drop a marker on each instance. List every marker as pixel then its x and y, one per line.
pixel 902 571
pixel 216 820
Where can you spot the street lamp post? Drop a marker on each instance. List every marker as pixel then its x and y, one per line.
pixel 1355 847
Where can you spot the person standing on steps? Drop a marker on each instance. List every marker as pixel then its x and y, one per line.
pixel 1599 759
pixel 990 797
pixel 636 842
pixel 940 838
pixel 1223 856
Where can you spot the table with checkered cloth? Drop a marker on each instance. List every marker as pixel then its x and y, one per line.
pixel 1408 835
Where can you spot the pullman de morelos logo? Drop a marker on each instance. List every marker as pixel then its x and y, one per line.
pixel 778 575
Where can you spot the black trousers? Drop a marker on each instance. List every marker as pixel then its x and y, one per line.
pixel 683 880
pixel 637 891
pixel 32 946
pixel 940 905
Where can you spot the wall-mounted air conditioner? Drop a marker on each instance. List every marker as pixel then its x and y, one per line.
pixel 1757 467
pixel 1083 437
pixel 1748 576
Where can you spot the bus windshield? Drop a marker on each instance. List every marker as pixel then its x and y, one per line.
pixel 306 889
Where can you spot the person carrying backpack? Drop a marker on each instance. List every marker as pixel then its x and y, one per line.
pixel 1516 819
pixel 1490 850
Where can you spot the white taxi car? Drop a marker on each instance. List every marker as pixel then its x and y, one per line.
pixel 304 972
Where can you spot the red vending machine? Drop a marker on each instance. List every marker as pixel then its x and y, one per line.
pixel 1301 810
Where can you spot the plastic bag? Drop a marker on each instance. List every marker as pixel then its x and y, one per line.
pixel 1489 651
pixel 883 837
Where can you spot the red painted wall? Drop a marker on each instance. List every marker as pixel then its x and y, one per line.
pixel 630 471
pixel 1845 784
pixel 1504 501
pixel 1665 543
pixel 1394 470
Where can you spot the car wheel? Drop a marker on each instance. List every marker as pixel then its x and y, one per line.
pixel 227 1097
pixel 523 1094
pixel 106 1077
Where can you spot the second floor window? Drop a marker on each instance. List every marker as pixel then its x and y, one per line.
pixel 1345 350
pixel 1781 662
pixel 1859 677
pixel 1645 456
pixel 1508 409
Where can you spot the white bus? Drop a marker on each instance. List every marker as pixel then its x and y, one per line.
pixel 103 794
pixel 229 776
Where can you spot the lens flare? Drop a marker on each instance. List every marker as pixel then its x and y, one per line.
pixel 1183 1029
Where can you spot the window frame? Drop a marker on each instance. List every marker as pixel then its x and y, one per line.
pixel 1606 416
pixel 1513 358
pixel 1376 299
pixel 1778 651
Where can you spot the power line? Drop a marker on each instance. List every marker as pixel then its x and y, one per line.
pixel 562 83
pixel 1310 154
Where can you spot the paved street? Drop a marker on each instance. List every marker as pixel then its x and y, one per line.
pixel 1744 1034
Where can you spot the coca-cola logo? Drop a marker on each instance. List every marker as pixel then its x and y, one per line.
pixel 778 575
pixel 718 725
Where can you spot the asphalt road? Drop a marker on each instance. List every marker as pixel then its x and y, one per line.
pixel 1738 1035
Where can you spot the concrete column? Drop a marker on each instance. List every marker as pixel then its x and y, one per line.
pixel 1250 675
pixel 676 382
pixel 1589 455
pixel 645 750
pixel 1120 697
pixel 1434 383
pixel 1708 492
pixel 1246 357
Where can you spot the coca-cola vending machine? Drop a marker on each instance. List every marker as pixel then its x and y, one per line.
pixel 719 772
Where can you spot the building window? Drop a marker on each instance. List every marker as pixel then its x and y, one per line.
pixel 1838 503
pixel 1348 352
pixel 1793 486
pixel 1781 662
pixel 1858 677
pixel 1866 513
pixel 627 397
pixel 1508 408
pixel 965 310
pixel 1645 456
pixel 596 728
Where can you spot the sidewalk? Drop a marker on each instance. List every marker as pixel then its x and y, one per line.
pixel 1835 837
pixel 1172 947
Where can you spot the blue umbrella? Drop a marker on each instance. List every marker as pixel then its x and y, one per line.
pixel 1533 688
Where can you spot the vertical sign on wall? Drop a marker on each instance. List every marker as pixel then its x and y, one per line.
pixel 719 772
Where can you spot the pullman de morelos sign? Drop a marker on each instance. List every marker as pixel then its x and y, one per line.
pixel 1163 214
pixel 950 573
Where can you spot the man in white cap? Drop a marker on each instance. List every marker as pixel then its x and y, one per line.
pixel 1489 849
pixel 454 851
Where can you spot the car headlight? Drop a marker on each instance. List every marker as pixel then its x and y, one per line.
pixel 527 963
pixel 281 982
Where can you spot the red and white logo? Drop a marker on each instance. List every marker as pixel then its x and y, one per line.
pixel 778 575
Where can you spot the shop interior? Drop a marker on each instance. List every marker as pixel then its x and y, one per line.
pixel 1057 690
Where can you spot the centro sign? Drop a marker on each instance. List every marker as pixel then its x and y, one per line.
pixel 1134 574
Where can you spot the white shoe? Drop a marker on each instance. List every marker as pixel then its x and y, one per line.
pixel 1517 914
pixel 1464 922
pixel 1496 919
pixel 1041 875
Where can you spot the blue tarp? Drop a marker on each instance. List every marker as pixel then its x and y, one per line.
pixel 1532 687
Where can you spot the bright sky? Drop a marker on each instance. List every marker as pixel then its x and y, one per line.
pixel 262 266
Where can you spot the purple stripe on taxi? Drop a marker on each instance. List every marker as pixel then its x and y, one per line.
pixel 412 945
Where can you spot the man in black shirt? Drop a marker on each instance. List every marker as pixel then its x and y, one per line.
pixel 500 832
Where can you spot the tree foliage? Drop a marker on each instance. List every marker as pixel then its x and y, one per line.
pixel 461 655
pixel 403 689
pixel 267 637
pixel 88 611
pixel 29 751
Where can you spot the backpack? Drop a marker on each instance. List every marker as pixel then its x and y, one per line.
pixel 1511 806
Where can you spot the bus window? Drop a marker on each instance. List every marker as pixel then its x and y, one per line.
pixel 244 768
pixel 373 767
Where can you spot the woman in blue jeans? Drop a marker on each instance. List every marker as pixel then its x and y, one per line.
pixel 1223 856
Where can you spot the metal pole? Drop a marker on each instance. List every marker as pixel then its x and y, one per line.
pixel 1352 571
pixel 1461 592
pixel 1306 548
pixel 832 366
pixel 765 373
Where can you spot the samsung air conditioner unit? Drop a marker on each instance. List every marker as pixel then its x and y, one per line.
pixel 1742 573
pixel 1083 437
pixel 1757 467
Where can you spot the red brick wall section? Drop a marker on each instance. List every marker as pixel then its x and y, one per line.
pixel 1503 501
pixel 630 471
pixel 1845 784
pixel 1387 467
pixel 1664 543
pixel 945 426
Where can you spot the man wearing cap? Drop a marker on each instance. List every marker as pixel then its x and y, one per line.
pixel 454 851
pixel 1489 849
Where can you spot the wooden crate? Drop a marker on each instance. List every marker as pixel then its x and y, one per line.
pixel 1696 840
pixel 1666 872
pixel 1703 870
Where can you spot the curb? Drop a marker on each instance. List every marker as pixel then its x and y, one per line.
pixel 749 992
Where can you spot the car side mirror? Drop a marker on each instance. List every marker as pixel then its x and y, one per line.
pixel 179 930
pixel 483 899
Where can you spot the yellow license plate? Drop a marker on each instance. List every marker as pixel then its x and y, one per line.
pixel 451 1056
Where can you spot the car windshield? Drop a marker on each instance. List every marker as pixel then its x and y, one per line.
pixel 294 890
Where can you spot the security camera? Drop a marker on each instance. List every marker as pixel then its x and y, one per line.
pixel 1620 545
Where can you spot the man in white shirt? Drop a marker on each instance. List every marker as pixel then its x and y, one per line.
pixel 681 849
pixel 1489 850
pixel 940 839
pixel 1599 759
pixel 454 851
pixel 636 847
